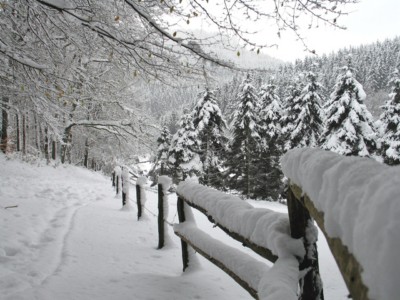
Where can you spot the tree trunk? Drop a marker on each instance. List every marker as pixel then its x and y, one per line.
pixel 86 154
pixel 18 133
pixel 4 126
pixel 46 144
pixel 65 147
pixel 53 150
pixel 24 131
pixel 247 191
pixel 37 132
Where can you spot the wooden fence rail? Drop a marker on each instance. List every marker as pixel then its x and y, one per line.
pixel 275 228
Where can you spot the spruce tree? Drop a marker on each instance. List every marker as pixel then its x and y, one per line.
pixel 306 126
pixel 290 112
pixel 164 142
pixel 244 147
pixel 349 127
pixel 209 125
pixel 183 153
pixel 390 120
pixel 269 178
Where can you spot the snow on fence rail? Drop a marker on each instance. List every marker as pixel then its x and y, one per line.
pixel 355 202
pixel 288 243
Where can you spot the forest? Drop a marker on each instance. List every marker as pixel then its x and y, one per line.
pixel 95 85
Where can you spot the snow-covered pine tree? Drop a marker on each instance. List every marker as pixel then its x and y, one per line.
pixel 306 110
pixel 164 142
pixel 242 162
pixel 349 127
pixel 390 120
pixel 290 112
pixel 209 125
pixel 269 178
pixel 183 158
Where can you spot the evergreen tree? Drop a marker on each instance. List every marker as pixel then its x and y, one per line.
pixel 390 119
pixel 307 115
pixel 209 125
pixel 243 157
pixel 164 142
pixel 290 112
pixel 269 172
pixel 349 127
pixel 183 153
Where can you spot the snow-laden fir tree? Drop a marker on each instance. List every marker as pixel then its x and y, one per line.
pixel 209 125
pixel 269 178
pixel 305 115
pixel 183 155
pixel 290 111
pixel 242 163
pixel 390 120
pixel 164 142
pixel 349 126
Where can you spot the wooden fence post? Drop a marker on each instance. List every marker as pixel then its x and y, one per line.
pixel 160 216
pixel 123 191
pixel 299 218
pixel 139 202
pixel 182 218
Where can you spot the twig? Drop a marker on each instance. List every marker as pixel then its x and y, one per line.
pixel 11 206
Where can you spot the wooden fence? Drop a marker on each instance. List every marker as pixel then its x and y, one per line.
pixel 119 181
pixel 301 213
pixel 298 222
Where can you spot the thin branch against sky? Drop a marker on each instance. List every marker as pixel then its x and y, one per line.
pixel 370 21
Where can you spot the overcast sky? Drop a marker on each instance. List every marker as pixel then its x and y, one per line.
pixel 371 20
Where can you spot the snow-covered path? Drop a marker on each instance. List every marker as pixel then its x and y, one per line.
pixel 69 239
pixel 77 243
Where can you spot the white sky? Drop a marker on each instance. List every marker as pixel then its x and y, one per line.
pixel 371 20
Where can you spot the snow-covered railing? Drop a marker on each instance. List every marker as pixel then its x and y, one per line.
pixel 266 232
pixel 355 202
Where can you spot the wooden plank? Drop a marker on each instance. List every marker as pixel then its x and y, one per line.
pixel 221 265
pixel 348 265
pixel 262 251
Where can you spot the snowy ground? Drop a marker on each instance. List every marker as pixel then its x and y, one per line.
pixel 69 239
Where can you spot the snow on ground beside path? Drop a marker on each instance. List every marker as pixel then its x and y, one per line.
pixel 69 239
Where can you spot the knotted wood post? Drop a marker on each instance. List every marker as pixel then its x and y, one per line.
pixel 117 187
pixel 164 182
pixel 117 171
pixel 125 187
pixel 141 195
pixel 160 216
pixel 300 222
pixel 139 202
pixel 182 218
